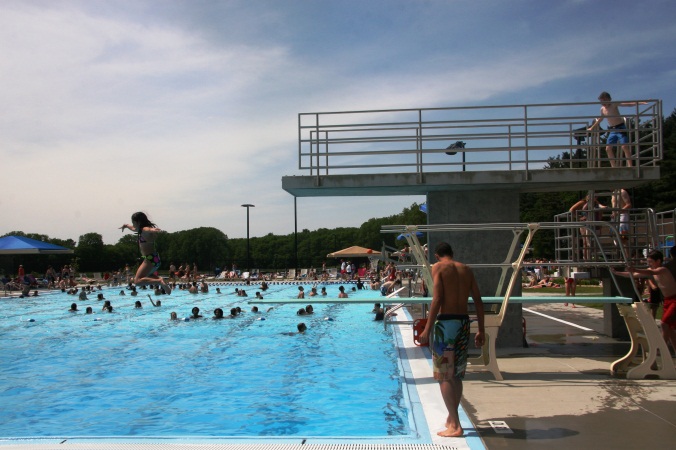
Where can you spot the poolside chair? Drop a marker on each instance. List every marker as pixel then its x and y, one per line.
pixel 303 273
pixel 291 274
pixel 245 275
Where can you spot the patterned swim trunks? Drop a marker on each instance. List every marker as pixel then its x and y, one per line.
pixel 450 345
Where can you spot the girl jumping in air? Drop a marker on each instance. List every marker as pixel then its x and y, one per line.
pixel 150 264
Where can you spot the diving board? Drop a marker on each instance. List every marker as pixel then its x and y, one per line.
pixel 580 300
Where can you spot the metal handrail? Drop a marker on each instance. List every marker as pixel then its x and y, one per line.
pixel 508 137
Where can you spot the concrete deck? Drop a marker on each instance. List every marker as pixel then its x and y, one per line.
pixel 558 393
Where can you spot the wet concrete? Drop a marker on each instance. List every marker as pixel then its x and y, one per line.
pixel 558 392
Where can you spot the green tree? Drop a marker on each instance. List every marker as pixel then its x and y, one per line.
pixel 89 252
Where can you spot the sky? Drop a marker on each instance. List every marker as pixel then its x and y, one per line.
pixel 187 109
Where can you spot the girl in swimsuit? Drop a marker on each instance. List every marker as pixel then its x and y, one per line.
pixel 150 264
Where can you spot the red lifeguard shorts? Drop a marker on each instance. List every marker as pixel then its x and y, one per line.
pixel 669 314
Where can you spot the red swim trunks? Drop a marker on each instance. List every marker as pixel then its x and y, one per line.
pixel 669 314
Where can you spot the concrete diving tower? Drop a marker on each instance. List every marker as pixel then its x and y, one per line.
pixel 472 163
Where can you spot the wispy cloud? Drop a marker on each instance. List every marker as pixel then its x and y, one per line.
pixel 188 109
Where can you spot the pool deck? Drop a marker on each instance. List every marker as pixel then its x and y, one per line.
pixel 557 393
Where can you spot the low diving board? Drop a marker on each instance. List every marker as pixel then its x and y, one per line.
pixel 424 300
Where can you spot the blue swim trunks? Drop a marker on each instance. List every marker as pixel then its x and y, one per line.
pixel 617 137
pixel 449 346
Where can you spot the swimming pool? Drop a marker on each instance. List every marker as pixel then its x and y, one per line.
pixel 135 373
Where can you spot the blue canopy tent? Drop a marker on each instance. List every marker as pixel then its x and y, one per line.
pixel 20 245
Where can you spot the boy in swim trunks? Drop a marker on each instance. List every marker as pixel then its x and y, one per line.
pixel 454 282
pixel 618 130
pixel 667 284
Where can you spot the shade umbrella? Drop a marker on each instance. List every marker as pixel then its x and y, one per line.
pixel 21 245
pixel 354 252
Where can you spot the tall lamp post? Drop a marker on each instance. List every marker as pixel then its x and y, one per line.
pixel 248 249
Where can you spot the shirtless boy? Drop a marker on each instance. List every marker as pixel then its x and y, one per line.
pixel 667 284
pixel 611 112
pixel 454 282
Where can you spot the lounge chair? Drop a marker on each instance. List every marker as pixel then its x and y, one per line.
pixel 291 274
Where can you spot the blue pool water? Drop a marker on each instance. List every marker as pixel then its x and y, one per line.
pixel 135 373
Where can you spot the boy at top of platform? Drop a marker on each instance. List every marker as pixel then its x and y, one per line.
pixel 611 112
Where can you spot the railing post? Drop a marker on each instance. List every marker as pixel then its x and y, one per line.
pixel 525 137
pixel 419 147
pixel 317 144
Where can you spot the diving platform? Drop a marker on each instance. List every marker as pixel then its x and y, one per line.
pixel 523 148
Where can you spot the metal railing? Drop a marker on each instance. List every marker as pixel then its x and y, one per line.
pixel 514 259
pixel 512 137
pixel 600 238
pixel 666 229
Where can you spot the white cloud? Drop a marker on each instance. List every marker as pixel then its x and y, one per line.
pixel 188 117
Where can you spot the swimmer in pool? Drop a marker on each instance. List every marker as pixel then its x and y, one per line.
pixel 173 316
pixel 196 313
pixel 301 327
pixel 73 307
pixel 218 313
pixel 147 233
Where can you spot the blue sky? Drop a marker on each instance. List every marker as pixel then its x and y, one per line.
pixel 188 109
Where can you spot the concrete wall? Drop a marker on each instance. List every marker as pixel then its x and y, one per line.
pixel 480 247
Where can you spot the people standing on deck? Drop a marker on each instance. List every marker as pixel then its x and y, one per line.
pixel 50 275
pixel 667 284
pixel 147 233
pixel 621 202
pixel 348 270
pixel 582 212
pixel 454 282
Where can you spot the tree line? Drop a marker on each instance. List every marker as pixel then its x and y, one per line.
pixel 210 248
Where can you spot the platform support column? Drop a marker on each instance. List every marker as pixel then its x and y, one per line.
pixel 480 247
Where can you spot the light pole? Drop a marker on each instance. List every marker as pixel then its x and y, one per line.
pixel 248 249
